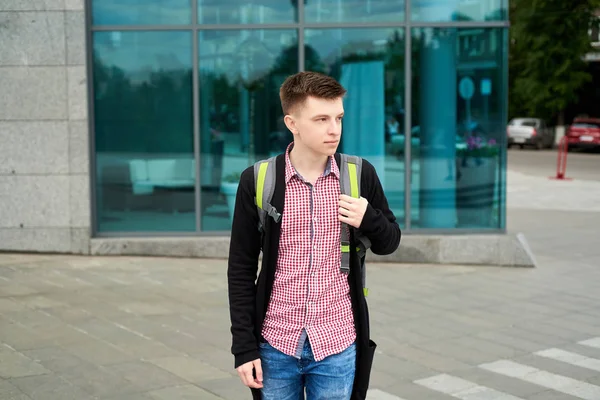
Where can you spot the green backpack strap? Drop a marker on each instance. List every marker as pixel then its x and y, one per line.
pixel 350 169
pixel 350 176
pixel 264 180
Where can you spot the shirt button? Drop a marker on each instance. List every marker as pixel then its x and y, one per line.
pixel 315 247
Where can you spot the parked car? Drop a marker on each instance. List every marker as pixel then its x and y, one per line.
pixel 584 132
pixel 530 132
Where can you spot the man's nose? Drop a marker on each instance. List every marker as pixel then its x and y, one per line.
pixel 335 128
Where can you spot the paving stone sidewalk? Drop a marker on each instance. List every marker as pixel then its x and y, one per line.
pixel 542 193
pixel 124 328
pixel 157 328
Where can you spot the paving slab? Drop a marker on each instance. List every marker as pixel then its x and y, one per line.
pixel 11 392
pixel 49 387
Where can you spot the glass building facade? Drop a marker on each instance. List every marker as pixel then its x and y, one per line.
pixel 184 96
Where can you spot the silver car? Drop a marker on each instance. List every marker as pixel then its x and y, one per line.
pixel 530 132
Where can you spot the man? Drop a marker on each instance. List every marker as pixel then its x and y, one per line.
pixel 303 325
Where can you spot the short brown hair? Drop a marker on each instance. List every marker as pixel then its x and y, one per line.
pixel 298 87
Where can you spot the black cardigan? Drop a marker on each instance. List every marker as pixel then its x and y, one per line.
pixel 248 297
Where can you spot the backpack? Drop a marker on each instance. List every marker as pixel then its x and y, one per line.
pixel 350 173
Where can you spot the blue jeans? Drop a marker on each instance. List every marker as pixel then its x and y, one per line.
pixel 285 377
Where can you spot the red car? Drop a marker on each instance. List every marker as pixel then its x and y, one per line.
pixel 584 132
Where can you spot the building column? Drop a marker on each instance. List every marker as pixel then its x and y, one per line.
pixel 438 86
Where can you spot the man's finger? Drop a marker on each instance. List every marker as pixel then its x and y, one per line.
pixel 249 379
pixel 348 221
pixel 346 205
pixel 254 384
pixel 347 201
pixel 258 369
pixel 347 198
pixel 243 372
pixel 344 211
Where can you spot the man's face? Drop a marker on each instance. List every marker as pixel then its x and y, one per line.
pixel 317 124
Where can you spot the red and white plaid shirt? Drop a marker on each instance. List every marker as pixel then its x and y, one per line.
pixel 310 296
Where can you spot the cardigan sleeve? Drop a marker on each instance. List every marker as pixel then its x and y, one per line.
pixel 244 250
pixel 379 223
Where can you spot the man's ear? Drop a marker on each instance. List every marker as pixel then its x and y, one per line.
pixel 290 123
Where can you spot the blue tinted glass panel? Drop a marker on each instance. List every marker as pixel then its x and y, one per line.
pixel 240 113
pixel 354 11
pixel 459 10
pixel 145 168
pixel 369 63
pixel 246 12
pixel 459 128
pixel 141 12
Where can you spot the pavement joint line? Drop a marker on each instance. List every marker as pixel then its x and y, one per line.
pixel 131 331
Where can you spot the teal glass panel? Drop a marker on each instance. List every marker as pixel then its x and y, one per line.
pixel 241 120
pixel 369 63
pixel 459 128
pixel 246 12
pixel 141 12
pixel 458 10
pixel 145 168
pixel 331 11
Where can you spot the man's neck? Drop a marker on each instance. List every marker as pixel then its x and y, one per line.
pixel 308 164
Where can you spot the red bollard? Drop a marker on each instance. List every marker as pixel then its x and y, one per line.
pixel 561 162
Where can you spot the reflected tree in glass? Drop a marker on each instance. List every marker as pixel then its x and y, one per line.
pixel 143 131
pixel 369 63
pixel 141 12
pixel 241 72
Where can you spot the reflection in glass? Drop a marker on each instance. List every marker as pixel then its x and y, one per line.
pixel 141 12
pixel 143 130
pixel 244 12
pixel 459 118
pixel 458 10
pixel 240 113
pixel 369 63
pixel 354 11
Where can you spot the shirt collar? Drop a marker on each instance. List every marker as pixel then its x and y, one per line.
pixel 290 171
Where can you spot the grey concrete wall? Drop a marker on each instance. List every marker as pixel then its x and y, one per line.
pixel 509 250
pixel 44 151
